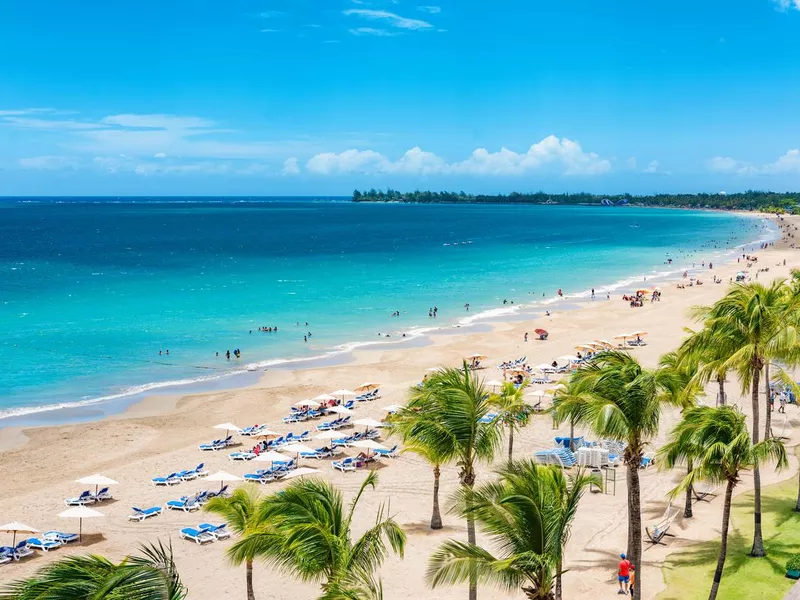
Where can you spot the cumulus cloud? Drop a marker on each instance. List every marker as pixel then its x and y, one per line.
pixel 789 163
pixel 48 163
pixel 371 31
pixel 560 155
pixel 787 4
pixel 290 166
pixel 389 18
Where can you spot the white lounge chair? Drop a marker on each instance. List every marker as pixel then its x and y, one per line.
pixel 197 536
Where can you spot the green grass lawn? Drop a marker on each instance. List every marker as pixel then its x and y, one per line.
pixel 688 574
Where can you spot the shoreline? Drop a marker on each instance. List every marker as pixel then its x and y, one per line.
pixel 161 433
pixel 111 405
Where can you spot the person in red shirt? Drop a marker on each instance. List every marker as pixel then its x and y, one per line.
pixel 624 575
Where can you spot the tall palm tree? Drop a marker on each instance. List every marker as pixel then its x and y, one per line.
pixel 513 411
pixel 708 357
pixel 623 402
pixel 686 389
pixel 305 532
pixel 149 576
pixel 457 402
pixel 241 513
pixel 759 323
pixel 527 515
pixel 716 439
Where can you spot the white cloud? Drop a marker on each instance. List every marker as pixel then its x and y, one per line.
pixel 159 155
pixel 25 111
pixel 787 4
pixel 271 14
pixel 157 121
pixel 788 163
pixel 558 155
pixel 290 166
pixel 391 19
pixel 652 167
pixel 371 31
pixel 52 124
pixel 432 10
pixel 48 163
pixel 269 30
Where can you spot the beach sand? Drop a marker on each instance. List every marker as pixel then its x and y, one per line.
pixel 161 434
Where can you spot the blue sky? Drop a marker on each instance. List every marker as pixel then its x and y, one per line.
pixel 273 97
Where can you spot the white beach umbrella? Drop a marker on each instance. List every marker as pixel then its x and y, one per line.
pixel 16 527
pixel 296 448
pixel 265 433
pixel 324 398
pixel 369 445
pixel 223 477
pixel 569 357
pixel 328 435
pixel 476 356
pixel 368 386
pixel 392 408
pixel 494 383
pixel 300 472
pixel 270 456
pixel 622 336
pixel 369 423
pixel 638 333
pixel 544 367
pixel 537 394
pixel 343 393
pixel 227 427
pixel 97 481
pixel 81 513
pixel 307 403
pixel 340 410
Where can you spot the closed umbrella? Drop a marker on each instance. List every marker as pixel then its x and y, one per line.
pixel 81 513
pixel 97 481
pixel 16 527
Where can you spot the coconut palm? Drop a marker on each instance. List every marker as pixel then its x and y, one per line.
pixel 241 513
pixel 569 401
pixel 623 402
pixel 305 533
pixel 512 410
pixel 457 403
pixel 717 441
pixel 758 324
pixel 708 357
pixel 527 515
pixel 151 575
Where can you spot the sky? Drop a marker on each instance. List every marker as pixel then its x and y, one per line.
pixel 318 97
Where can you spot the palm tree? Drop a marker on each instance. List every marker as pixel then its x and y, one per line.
pixel 716 439
pixel 686 372
pixel 569 401
pixel 513 411
pixel 305 532
pixel 456 403
pixel 758 323
pixel 241 512
pixel 708 357
pixel 149 576
pixel 527 514
pixel 623 402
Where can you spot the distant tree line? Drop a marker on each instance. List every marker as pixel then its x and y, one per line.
pixel 749 200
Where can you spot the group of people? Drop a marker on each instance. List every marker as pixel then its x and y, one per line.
pixel 432 312
pixel 267 329
pixel 236 354
pixel 626 575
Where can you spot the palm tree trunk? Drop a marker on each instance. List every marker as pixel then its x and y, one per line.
pixel 249 570
pixel 635 523
pixel 571 435
pixel 558 579
pixel 758 539
pixel 723 549
pixel 473 579
pixel 687 509
pixel 510 442
pixel 768 418
pixel 436 517
pixel 722 398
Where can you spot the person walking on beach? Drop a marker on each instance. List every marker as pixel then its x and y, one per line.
pixel 526 336
pixel 624 575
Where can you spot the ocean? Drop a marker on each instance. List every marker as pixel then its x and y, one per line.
pixel 105 299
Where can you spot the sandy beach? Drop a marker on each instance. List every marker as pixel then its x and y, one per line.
pixel 160 435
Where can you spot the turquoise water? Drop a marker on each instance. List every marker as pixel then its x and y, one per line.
pixel 92 291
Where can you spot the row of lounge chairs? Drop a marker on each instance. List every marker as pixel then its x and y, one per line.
pixel 350 464
pixel 179 476
pixel 276 472
pixel 513 364
pixel 184 504
pixel 369 396
pixel 89 497
pixel 219 444
pixel 205 532
pixel 50 540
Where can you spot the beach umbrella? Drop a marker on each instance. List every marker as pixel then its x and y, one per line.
pixel 343 393
pixel 494 383
pixel 368 386
pixel 638 333
pixel 544 367
pixel 223 478
pixel 369 445
pixel 605 343
pixel 537 394
pixel 227 427
pixel 16 527
pixel 80 513
pixel 270 456
pixel 324 398
pixel 330 434
pixel 307 404
pixel 340 410
pixel 97 481
pixel 300 472
pixel 296 448
pixel 622 336
pixel 369 423
pixel 541 332
pixel 392 408
pixel 267 433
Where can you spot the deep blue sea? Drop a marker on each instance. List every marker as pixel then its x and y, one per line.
pixel 94 292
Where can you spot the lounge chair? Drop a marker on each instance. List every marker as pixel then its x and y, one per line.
pixel 64 538
pixel 348 464
pixel 648 460
pixel 326 426
pixel 658 531
pixel 43 544
pixel 350 404
pixel 171 479
pixel 241 456
pixel 251 431
pixel 85 498
pixel 215 445
pixel 197 536
pixel 221 532
pixel 5 556
pixel 140 514
pixel 185 504
pixel 260 477
pixel 21 550
pixel 390 453
pixel 103 494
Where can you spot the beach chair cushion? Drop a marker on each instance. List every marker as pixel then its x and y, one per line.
pixel 43 544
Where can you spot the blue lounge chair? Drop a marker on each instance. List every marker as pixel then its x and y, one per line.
pixel 185 504
pixel 348 464
pixel 85 498
pixel 221 532
pixel 6 555
pixel 140 514
pixel 64 538
pixel 171 479
pixel 326 426
pixel 103 494
pixel 391 453
pixel 215 445
pixel 241 456
pixel 222 492
pixel 197 536
pixel 43 544
pixel 260 477
pixel 21 550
